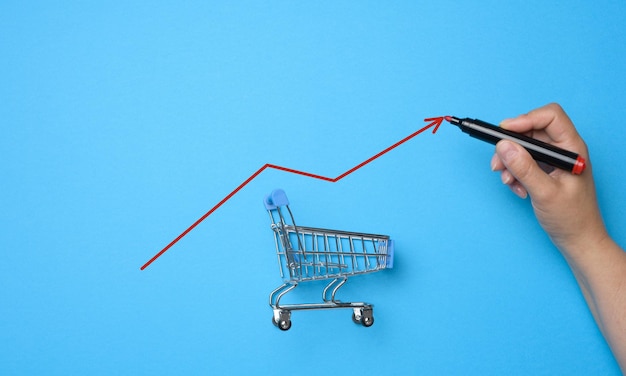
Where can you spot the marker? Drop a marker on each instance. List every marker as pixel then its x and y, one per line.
pixel 539 150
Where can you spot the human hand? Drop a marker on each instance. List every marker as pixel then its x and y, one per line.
pixel 565 204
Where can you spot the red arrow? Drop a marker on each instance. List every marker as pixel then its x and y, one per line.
pixel 436 122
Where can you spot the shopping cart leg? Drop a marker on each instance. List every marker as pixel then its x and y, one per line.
pixel 281 317
pixel 325 292
pixel 334 291
pixel 281 291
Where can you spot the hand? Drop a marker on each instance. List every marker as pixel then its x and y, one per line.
pixel 565 204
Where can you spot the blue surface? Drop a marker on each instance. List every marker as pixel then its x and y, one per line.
pixel 124 123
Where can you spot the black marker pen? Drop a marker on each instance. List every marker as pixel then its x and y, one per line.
pixel 539 150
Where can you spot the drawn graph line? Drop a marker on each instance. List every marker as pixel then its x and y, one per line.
pixel 434 122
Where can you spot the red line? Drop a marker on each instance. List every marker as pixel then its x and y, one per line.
pixel 300 172
pixel 434 122
pixel 231 194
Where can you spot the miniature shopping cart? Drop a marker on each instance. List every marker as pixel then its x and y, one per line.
pixel 310 254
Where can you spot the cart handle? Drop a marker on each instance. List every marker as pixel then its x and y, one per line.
pixel 277 198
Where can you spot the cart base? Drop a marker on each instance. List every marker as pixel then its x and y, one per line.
pixel 362 313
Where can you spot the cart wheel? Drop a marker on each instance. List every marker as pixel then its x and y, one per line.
pixel 355 319
pixel 367 321
pixel 367 318
pixel 284 320
pixel 284 325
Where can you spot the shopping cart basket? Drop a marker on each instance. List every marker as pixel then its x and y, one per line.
pixel 310 254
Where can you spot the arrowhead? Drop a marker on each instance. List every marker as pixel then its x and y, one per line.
pixel 436 121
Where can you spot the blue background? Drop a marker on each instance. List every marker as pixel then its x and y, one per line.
pixel 122 123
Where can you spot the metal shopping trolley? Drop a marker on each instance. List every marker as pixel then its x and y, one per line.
pixel 310 254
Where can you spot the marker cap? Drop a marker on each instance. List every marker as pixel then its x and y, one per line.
pixel 579 166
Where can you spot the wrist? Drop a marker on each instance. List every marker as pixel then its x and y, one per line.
pixel 582 249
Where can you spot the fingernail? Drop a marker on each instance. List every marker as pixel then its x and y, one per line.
pixel 521 192
pixel 506 177
pixel 506 122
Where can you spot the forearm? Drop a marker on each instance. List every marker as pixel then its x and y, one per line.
pixel 601 273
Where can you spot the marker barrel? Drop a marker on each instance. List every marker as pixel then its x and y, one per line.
pixel 539 150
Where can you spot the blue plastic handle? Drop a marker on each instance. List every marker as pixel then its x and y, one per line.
pixel 390 254
pixel 277 198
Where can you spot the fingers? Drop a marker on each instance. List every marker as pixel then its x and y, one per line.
pixel 520 172
pixel 507 177
pixel 496 163
pixel 550 119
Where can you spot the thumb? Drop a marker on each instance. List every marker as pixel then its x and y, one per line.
pixel 523 167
